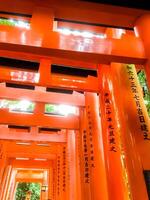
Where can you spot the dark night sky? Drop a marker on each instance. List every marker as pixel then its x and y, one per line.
pixel 141 4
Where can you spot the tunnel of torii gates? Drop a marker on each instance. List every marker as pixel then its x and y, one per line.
pixel 102 151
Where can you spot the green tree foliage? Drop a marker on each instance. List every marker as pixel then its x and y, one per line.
pixel 6 22
pixel 49 108
pixel 25 187
pixel 146 91
pixel 17 105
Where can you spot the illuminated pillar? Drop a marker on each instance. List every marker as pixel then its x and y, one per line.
pixel 72 164
pixel 13 185
pixel 58 179
pixel 5 183
pixel 3 168
pixel 143 31
pixel 134 126
pixel 45 72
pixel 78 167
pixel 11 178
pixel 14 191
pixel 97 167
pixel 84 157
pixel 62 193
pixel 2 161
pixel 54 181
pixel 50 184
pixel 44 193
pixel 117 189
pixel 42 20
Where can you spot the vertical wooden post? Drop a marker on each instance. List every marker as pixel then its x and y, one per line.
pixel 2 160
pixel 84 157
pixel 98 182
pixel 45 71
pixel 134 125
pixel 3 167
pixel 6 182
pixel 13 185
pixel 42 20
pixel 111 136
pixel 72 164
pixel 44 194
pixel 50 184
pixel 78 164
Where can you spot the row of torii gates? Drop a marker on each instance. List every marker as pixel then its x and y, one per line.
pixel 101 153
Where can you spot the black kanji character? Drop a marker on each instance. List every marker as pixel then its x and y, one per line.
pixel 111 133
pixel 136 97
pixel 140 111
pixel 111 126
pixel 141 118
pixel 107 101
pixel 106 94
pixel 109 119
pixel 146 136
pixel 113 149
pixel 112 140
pixel 144 127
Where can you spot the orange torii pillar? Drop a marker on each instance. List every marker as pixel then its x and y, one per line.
pixel 143 31
pixel 54 168
pixel 42 20
pixel 58 180
pixel 91 152
pixel 97 167
pixel 83 152
pixel 78 163
pixel 13 184
pixel 50 184
pixel 117 187
pixel 44 193
pixel 6 182
pixel 3 168
pixel 62 192
pixel 2 161
pixel 134 126
pixel 10 181
pixel 14 191
pixel 72 165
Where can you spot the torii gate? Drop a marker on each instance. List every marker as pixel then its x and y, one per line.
pixel 101 153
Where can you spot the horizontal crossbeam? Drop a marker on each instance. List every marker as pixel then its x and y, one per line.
pixel 78 11
pixel 49 80
pixel 6 134
pixel 22 119
pixel 76 99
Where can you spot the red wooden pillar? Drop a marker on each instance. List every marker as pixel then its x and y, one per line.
pixel 5 183
pixel 131 114
pixel 9 183
pixel 64 172
pixel 58 176
pixel 50 184
pixel 78 164
pixel 54 180
pixel 84 157
pixel 3 166
pixel 117 188
pixel 73 192
pixel 42 20
pixel 45 72
pixel 98 178
pixel 44 194
pixel 2 160
pixel 143 31
pixel 13 185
